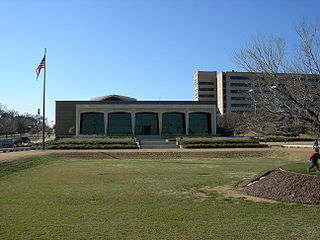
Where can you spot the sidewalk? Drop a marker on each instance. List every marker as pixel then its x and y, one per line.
pixel 289 144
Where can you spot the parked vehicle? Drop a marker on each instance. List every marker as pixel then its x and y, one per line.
pixel 6 143
pixel 22 140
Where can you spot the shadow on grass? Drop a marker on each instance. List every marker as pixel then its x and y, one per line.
pixel 109 155
pixel 7 168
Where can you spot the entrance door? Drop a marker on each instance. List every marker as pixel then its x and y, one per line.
pixel 146 130
pixel 146 124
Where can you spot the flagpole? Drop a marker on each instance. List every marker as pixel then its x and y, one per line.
pixel 44 101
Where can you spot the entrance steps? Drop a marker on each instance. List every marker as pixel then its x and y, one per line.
pixel 155 142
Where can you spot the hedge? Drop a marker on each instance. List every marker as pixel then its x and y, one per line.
pixel 187 142
pixel 173 138
pixel 95 143
pixel 92 146
pixel 233 145
pixel 89 136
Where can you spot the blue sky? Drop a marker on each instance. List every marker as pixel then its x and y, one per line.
pixel 147 49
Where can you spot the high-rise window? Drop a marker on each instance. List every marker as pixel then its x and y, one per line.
pixel 240 105
pixel 239 84
pixel 238 91
pixel 206 95
pixel 206 89
pixel 239 78
pixel 205 83
pixel 238 98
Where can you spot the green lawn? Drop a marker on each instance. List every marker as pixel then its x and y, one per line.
pixel 301 167
pixel 81 198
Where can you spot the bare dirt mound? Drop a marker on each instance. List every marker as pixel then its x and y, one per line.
pixel 280 185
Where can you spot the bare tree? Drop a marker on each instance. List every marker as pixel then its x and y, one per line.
pixel 285 83
pixel 228 124
pixel 7 123
pixel 13 122
pixel 23 122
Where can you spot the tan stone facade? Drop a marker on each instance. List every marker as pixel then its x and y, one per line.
pixel 69 114
pixel 205 85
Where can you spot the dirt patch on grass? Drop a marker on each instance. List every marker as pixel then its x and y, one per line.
pixel 280 185
pixel 228 191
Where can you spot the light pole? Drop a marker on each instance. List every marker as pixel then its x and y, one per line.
pixel 38 123
pixel 254 101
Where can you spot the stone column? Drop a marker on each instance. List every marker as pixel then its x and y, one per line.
pixel 106 118
pixel 213 123
pixel 133 123
pixel 77 122
pixel 187 122
pixel 160 122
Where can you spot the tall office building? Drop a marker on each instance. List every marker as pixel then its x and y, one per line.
pixel 227 89
pixel 235 93
pixel 205 85
pixel 231 90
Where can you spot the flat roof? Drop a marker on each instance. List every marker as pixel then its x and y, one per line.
pixel 139 102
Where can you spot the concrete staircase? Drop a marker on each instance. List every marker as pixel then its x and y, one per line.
pixel 155 142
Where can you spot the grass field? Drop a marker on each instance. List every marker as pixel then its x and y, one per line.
pixel 92 197
pixel 300 167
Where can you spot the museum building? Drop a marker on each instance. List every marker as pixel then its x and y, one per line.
pixel 115 115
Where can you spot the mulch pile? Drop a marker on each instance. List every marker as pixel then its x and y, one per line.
pixel 280 185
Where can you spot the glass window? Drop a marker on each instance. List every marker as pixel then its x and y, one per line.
pixel 239 84
pixel 238 98
pixel 239 78
pixel 238 91
pixel 240 105
pixel 119 124
pixel 242 111
pixel 92 124
pixel 206 89
pixel 173 124
pixel 147 124
pixel 199 123
pixel 205 83
pixel 206 95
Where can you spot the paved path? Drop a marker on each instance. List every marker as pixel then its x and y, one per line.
pixel 279 144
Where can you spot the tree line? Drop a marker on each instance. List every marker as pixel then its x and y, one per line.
pixel 13 122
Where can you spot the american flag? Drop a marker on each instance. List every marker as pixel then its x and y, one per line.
pixel 41 65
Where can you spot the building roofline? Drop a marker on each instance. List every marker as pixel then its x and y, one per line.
pixel 137 102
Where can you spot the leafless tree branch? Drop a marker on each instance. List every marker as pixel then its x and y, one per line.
pixel 285 84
